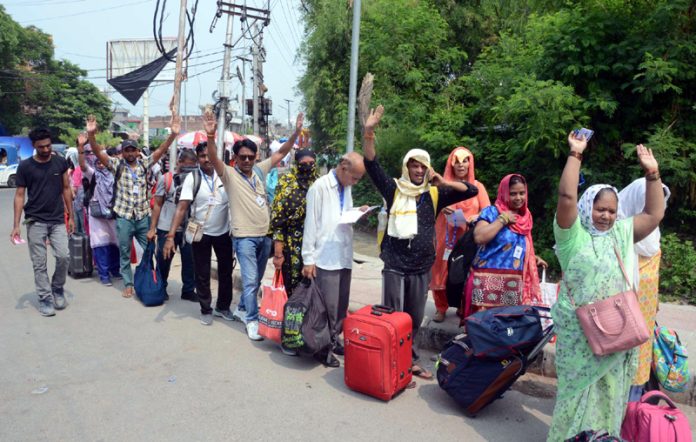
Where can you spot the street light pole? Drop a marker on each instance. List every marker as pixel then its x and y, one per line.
pixel 178 74
pixel 354 49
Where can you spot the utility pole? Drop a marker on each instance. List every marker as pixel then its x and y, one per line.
pixel 224 89
pixel 354 47
pixel 242 79
pixel 178 75
pixel 255 90
pixel 289 122
pixel 146 118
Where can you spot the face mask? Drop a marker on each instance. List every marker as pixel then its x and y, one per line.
pixel 305 169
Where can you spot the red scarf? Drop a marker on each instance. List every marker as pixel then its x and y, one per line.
pixel 531 293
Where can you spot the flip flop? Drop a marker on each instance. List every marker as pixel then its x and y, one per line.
pixel 422 373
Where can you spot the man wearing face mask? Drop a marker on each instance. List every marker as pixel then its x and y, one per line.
pixel 209 208
pixel 327 245
pixel 413 202
pixel 167 193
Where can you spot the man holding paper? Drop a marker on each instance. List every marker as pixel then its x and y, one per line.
pixel 327 245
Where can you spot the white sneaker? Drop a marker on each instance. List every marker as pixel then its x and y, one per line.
pixel 239 315
pixel 253 331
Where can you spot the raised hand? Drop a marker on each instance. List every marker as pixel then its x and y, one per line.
pixel 209 123
pixel 374 118
pixel 577 143
pixel 647 159
pixel 82 139
pixel 91 125
pixel 175 124
pixel 299 122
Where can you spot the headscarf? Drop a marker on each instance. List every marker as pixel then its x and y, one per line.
pixel 302 153
pixel 403 219
pixel 631 203
pixel 458 155
pixel 531 293
pixel 585 205
pixel 103 191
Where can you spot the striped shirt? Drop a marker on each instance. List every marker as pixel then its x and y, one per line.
pixel 132 197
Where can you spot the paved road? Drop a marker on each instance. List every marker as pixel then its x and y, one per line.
pixel 107 369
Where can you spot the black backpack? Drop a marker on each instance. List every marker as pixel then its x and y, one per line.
pixel 88 186
pixel 458 265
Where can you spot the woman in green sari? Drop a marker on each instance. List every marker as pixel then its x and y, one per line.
pixel 593 391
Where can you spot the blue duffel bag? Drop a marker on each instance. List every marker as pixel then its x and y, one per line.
pixel 503 332
pixel 148 284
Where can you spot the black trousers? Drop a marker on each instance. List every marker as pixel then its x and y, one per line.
pixel 202 251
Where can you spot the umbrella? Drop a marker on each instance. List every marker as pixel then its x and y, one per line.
pixel 191 139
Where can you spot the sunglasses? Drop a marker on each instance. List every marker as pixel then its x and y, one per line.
pixel 246 157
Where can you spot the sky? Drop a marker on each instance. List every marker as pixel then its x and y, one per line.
pixel 81 28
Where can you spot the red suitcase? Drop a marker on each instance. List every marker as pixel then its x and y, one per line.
pixel 378 351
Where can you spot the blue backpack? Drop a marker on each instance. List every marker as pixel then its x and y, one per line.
pixel 148 284
pixel 670 361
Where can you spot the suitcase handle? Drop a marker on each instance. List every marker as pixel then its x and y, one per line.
pixel 378 309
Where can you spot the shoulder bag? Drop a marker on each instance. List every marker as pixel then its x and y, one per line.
pixel 613 324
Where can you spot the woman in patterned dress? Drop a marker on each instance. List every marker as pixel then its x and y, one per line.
pixel 631 203
pixel 288 215
pixel 504 271
pixel 460 167
pixel 592 390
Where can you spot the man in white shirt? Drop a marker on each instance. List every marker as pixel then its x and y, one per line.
pixel 327 245
pixel 209 207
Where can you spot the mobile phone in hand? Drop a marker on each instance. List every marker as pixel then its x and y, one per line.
pixel 17 240
pixel 587 133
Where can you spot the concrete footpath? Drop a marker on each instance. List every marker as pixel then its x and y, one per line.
pixel 366 289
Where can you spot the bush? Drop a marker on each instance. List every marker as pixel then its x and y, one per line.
pixel 677 276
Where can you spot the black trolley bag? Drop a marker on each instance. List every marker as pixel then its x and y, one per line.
pixel 475 382
pixel 80 264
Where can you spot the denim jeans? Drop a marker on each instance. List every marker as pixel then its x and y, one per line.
pixel 127 229
pixel 107 260
pixel 252 256
pixel 37 234
pixel 188 278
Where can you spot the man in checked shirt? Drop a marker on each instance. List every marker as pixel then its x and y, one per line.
pixel 131 197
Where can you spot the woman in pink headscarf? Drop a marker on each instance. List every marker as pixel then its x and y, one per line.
pixel 504 271
pixel 459 167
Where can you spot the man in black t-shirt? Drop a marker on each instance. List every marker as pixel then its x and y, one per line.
pixel 44 177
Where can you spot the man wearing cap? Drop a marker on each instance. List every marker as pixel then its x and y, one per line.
pixel 131 197
pixel 413 202
pixel 245 185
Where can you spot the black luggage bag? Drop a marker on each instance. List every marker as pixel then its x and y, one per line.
pixel 80 256
pixel 475 382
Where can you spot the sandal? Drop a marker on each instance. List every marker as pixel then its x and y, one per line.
pixel 422 373
pixel 128 292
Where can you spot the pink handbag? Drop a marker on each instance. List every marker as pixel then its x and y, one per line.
pixel 613 324
pixel 646 421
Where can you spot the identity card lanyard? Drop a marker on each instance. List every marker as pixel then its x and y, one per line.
pixel 449 240
pixel 211 186
pixel 134 175
pixel 260 200
pixel 341 190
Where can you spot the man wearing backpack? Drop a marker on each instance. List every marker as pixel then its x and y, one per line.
pixel 167 194
pixel 208 230
pixel 250 213
pixel 413 202
pixel 131 197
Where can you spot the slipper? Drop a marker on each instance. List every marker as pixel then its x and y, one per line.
pixel 411 385
pixel 422 373
pixel 128 292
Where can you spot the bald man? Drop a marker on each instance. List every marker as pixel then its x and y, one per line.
pixel 327 245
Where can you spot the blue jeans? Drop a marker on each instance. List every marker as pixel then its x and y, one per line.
pixel 107 260
pixel 188 277
pixel 252 256
pixel 127 229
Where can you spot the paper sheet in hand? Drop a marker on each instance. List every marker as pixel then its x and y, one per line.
pixel 354 214
pixel 456 217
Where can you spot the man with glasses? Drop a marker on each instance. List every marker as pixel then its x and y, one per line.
pixel 250 213
pixel 131 196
